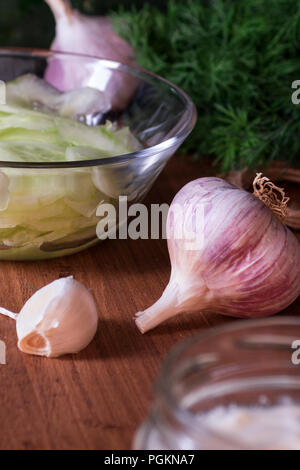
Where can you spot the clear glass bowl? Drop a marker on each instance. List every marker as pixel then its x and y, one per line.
pixel 234 387
pixel 158 113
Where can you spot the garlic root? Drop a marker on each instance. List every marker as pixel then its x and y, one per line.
pixel 272 196
pixel 243 179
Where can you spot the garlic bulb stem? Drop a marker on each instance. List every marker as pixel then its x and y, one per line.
pixel 164 308
pixel 8 313
pixel 176 298
pixel 60 8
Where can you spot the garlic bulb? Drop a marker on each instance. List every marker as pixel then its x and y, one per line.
pixel 94 36
pixel 230 253
pixel 60 318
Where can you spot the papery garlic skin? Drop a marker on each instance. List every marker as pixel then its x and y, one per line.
pixel 93 36
pixel 60 318
pixel 247 264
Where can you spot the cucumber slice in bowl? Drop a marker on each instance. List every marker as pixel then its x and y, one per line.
pixel 100 137
pixel 30 151
pixel 43 211
pixel 26 121
pixel 30 90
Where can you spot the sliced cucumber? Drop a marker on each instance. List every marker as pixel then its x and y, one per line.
pixel 125 136
pixel 30 151
pixel 79 153
pixel 81 102
pixel 26 121
pixel 31 135
pixel 41 207
pixel 96 137
pixel 30 90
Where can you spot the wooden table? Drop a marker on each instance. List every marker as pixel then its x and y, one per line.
pixel 97 399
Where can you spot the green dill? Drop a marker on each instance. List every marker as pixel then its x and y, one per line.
pixel 237 61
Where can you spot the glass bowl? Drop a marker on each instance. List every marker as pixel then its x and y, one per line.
pixel 49 212
pixel 235 387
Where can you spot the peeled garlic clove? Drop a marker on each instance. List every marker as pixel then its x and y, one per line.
pixel 93 36
pixel 60 318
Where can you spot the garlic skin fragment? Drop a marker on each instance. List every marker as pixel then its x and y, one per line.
pixel 245 263
pixel 60 318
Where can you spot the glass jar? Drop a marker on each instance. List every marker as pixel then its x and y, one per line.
pixel 233 387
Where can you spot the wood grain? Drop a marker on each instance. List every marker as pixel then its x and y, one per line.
pixel 97 399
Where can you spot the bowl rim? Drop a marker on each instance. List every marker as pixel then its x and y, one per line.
pixel 185 125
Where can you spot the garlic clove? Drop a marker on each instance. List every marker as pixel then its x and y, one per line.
pixel 60 318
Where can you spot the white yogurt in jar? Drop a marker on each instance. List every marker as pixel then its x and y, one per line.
pixel 270 427
pixel 233 427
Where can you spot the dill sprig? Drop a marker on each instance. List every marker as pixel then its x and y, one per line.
pixel 237 61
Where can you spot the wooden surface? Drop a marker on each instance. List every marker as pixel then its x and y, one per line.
pixel 97 399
